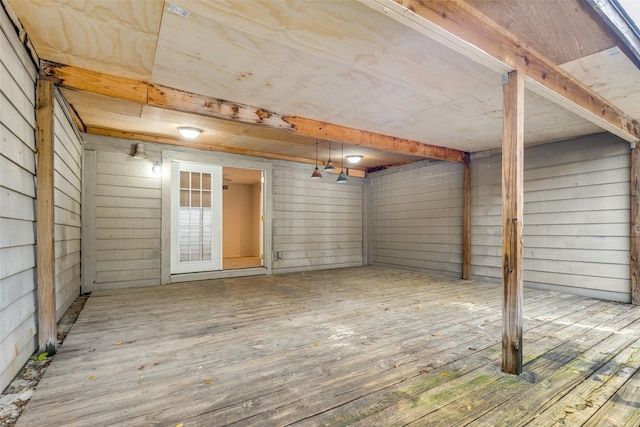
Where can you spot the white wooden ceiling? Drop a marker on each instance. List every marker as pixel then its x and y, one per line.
pixel 340 62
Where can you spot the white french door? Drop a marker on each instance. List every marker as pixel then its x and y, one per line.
pixel 196 218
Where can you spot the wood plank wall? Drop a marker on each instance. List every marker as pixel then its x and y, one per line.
pixel 417 217
pixel 127 213
pixel 316 224
pixel 17 203
pixel 576 217
pixel 67 163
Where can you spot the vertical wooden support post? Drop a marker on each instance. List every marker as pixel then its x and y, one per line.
pixel 367 243
pixel 512 216
pixel 45 256
pixel 466 220
pixel 635 225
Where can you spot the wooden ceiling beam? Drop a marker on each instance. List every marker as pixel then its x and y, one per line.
pixel 146 93
pixel 191 144
pixel 460 26
pixel 356 172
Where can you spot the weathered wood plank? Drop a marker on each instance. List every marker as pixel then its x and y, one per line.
pixel 439 386
pixel 576 407
pixel 332 347
pixel 622 407
pixel 512 221
pixel 522 408
pixel 47 327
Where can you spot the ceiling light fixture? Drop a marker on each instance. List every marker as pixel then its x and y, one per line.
pixel 329 165
pixel 342 177
pixel 316 172
pixel 189 132
pixel 354 158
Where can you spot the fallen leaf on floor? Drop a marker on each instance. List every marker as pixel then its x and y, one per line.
pixel 179 425
pixel 208 381
pixel 315 343
pixel 459 296
pixel 123 342
pixel 445 374
pixel 569 410
pixel 589 403
pixel 92 378
pixel 575 372
pixel 468 407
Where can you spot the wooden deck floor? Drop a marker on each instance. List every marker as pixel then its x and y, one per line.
pixel 365 346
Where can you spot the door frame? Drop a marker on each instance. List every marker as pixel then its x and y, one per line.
pixel 223 160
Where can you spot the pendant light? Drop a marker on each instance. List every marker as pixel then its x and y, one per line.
pixel 316 172
pixel 329 165
pixel 342 177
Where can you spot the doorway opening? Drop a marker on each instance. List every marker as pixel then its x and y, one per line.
pixel 242 218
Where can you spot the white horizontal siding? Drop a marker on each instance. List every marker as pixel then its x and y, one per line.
pixel 67 216
pixel 416 218
pixel 317 224
pixel 17 204
pixel 576 217
pixel 124 219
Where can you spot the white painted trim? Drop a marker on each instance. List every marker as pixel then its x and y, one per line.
pixel 224 160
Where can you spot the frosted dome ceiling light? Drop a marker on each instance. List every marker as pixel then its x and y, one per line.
pixel 189 132
pixel 354 158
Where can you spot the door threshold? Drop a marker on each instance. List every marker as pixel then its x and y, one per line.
pixel 222 274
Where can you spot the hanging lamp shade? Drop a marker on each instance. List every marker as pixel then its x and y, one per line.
pixel 342 177
pixel 316 172
pixel 329 165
